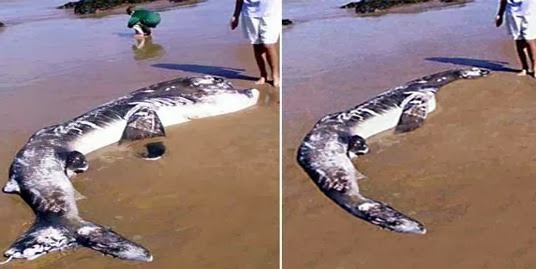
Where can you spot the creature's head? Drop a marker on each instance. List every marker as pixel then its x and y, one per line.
pixel 357 146
pixel 75 163
pixel 473 73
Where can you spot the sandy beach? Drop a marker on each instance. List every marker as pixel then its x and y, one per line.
pixel 212 202
pixel 467 174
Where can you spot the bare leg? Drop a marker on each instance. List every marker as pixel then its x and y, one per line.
pixel 259 50
pixel 273 61
pixel 521 45
pixel 139 34
pixel 531 48
pixel 146 30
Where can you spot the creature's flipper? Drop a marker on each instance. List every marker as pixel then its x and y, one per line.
pixel 76 163
pixel 41 239
pixel 415 112
pixel 143 123
pixel 12 186
pixel 110 243
pixel 78 195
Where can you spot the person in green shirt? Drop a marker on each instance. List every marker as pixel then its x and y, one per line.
pixel 142 20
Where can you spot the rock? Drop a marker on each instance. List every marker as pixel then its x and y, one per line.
pixel 91 6
pixel 350 5
pixel 68 5
pixel 2 24
pixel 371 6
pixel 287 22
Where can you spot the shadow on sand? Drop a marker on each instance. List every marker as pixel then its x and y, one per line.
pixel 491 65
pixel 218 71
pixel 124 34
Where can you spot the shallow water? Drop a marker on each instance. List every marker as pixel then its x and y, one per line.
pixel 463 174
pixel 20 11
pixel 212 202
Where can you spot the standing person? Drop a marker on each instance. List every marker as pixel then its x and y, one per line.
pixel 142 20
pixel 521 24
pixel 261 22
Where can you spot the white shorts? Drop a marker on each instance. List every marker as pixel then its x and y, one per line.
pixel 521 27
pixel 141 29
pixel 262 30
pixel 138 30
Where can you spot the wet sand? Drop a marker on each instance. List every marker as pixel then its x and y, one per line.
pixel 212 202
pixel 467 174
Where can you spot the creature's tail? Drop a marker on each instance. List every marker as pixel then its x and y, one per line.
pixel 59 234
pixel 108 242
pixel 337 178
pixel 377 213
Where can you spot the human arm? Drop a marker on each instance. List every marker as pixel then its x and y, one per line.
pixel 500 13
pixel 236 14
pixel 133 21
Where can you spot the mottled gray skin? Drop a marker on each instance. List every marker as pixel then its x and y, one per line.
pixel 41 170
pixel 327 151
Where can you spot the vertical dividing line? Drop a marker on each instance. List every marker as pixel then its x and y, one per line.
pixel 281 83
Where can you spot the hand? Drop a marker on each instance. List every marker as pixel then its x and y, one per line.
pixel 498 20
pixel 234 22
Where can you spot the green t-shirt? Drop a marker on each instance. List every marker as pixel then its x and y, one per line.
pixel 145 17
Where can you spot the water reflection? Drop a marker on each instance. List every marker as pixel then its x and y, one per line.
pixel 145 48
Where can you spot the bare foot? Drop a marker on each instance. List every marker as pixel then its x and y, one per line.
pixel 276 82
pixel 261 80
pixel 139 37
pixel 523 72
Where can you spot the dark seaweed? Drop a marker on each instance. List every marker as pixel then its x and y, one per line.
pixel 92 6
pixel 371 6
